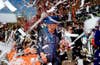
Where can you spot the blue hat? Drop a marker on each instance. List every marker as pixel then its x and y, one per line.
pixel 51 20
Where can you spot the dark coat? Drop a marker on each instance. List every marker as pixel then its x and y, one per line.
pixel 97 57
pixel 97 37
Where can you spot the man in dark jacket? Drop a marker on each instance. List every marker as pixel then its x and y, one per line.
pixel 97 42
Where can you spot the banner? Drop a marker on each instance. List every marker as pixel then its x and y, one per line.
pixel 8 18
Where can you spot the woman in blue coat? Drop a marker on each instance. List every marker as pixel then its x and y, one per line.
pixel 48 39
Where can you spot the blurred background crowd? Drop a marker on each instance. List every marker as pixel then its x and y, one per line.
pixel 55 35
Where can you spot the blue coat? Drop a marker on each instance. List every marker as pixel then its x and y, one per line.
pixel 45 38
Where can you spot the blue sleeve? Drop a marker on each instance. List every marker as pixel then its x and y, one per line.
pixel 40 41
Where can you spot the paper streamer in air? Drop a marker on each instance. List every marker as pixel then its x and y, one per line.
pixel 1 4
pixel 10 6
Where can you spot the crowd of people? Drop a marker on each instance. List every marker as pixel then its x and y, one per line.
pixel 53 40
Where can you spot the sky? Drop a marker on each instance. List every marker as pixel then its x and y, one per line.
pixel 28 12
